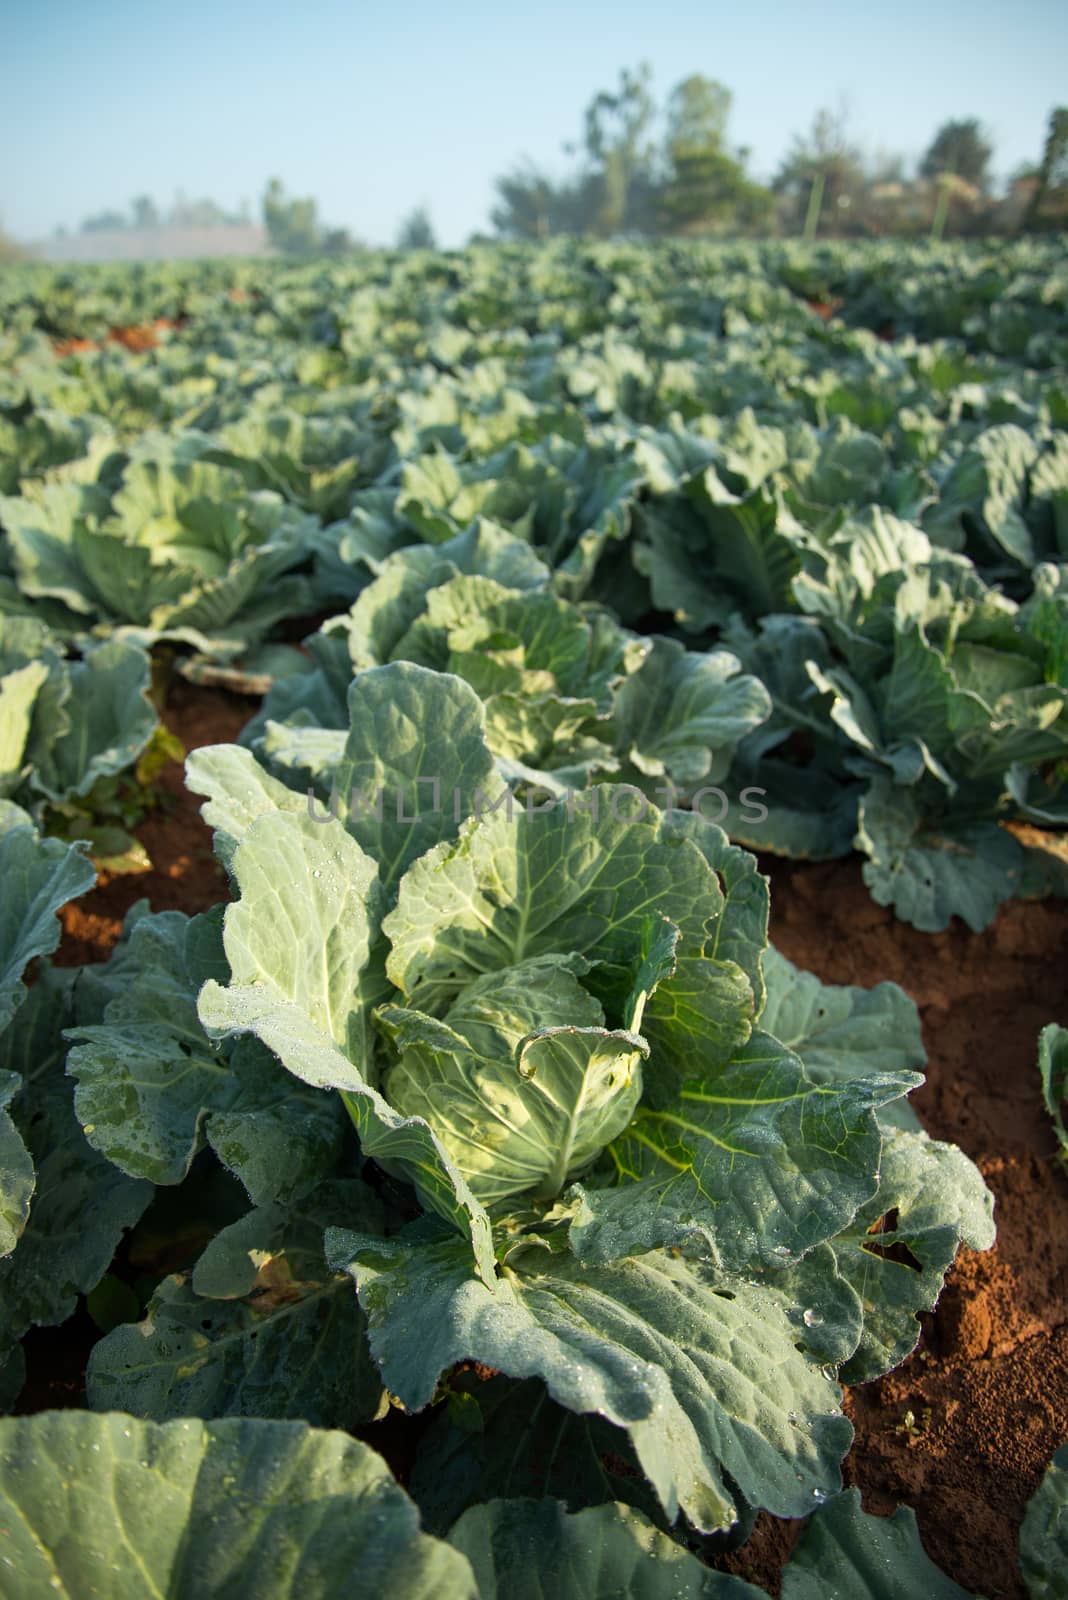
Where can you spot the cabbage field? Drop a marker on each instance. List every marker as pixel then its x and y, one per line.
pixel 533 935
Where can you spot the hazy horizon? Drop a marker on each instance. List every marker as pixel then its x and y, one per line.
pixel 377 110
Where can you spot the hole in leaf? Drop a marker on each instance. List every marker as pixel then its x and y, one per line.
pixel 896 1250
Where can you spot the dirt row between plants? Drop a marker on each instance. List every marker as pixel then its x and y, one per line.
pixel 963 1430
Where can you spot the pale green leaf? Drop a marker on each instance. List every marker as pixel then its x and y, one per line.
pixel 930 1198
pixel 16 1169
pixel 1044 1534
pixel 39 876
pixel 1053 1070
pixel 251 1510
pixel 701 1369
pixel 756 1159
pixel 845 1554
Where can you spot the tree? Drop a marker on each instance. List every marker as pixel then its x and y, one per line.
pixel 959 150
pixel 614 191
pixel 705 185
pixel 416 232
pixel 531 206
pixel 198 214
pixel 822 171
pixel 697 114
pixel 1052 172
pixel 620 155
pixel 337 242
pixel 143 211
pixel 292 225
pixel 105 222
pixel 524 208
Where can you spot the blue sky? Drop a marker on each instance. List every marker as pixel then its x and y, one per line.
pixel 376 108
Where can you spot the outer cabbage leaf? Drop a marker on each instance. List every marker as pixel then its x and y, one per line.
pixel 931 870
pixel 1044 1533
pixel 701 1369
pixel 802 812
pixel 81 1204
pixel 756 1159
pixel 984 493
pixel 842 1031
pixel 682 715
pixel 192 1509
pixel 708 554
pixel 298 943
pixel 150 1093
pixel 1053 1069
pixel 495 1437
pixel 41 529
pixel 109 719
pixel 526 1549
pixel 261 1327
pixel 16 1170
pixel 239 792
pixel 845 1554
pixel 410 728
pixel 19 687
pixel 741 931
pixel 930 1197
pixel 39 876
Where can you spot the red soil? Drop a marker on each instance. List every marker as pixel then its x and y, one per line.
pixel 136 337
pixel 185 875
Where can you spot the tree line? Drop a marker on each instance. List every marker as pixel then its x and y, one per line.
pixel 292 223
pixel 693 181
pixel 689 179
pixel 639 170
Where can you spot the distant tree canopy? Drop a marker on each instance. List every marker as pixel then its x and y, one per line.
pixel 293 225
pixel 1048 206
pixel 416 232
pixel 620 153
pixel 144 214
pixel 822 171
pixel 200 214
pixel 106 222
pixel 959 150
pixel 531 206
pixel 628 181
pixel 704 183
pixel 637 169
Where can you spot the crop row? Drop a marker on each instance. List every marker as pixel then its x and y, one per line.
pixel 484 1100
